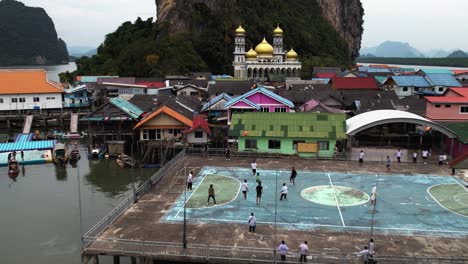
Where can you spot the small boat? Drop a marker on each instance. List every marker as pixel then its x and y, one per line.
pixel 59 154
pixel 13 168
pixel 37 135
pixel 125 161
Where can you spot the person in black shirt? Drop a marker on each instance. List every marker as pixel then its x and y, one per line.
pixel 259 190
pixel 293 176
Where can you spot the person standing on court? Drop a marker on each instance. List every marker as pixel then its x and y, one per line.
pixel 415 156
pixel 374 194
pixel 361 157
pixel 189 181
pixel 259 190
pixel 284 192
pixel 303 250
pixel 228 154
pixel 283 250
pixel 388 164
pixel 441 159
pixel 398 155
pixel 257 177
pixel 252 223
pixel 244 189
pixel 253 165
pixel 425 153
pixel 211 194
pixel 292 178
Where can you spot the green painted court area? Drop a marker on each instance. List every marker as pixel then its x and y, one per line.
pixel 452 197
pixel 410 204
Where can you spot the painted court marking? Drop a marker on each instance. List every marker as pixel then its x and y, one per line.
pixel 337 203
pixel 440 203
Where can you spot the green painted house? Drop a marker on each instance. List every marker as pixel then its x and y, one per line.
pixel 301 133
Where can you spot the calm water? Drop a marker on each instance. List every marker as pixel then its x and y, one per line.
pixel 39 210
pixel 417 67
pixel 52 70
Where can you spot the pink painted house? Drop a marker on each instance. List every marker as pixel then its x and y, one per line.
pixel 258 100
pixel 452 106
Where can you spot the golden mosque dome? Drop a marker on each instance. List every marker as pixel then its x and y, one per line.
pixel 291 55
pixel 264 48
pixel 251 54
pixel 278 31
pixel 240 30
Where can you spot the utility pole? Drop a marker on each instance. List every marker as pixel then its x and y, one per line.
pixel 184 239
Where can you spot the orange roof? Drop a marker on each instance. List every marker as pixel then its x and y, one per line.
pixel 167 111
pixel 459 71
pixel 26 82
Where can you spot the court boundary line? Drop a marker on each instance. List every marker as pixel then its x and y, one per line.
pixel 336 200
pixel 427 190
pixel 215 205
pixel 339 226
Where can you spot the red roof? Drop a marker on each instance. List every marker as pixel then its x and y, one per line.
pixel 325 74
pixel 199 122
pixel 459 71
pixel 365 83
pixel 462 99
pixel 152 84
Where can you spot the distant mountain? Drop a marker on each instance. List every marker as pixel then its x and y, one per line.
pixel 437 53
pixel 28 36
pixel 78 51
pixel 393 49
pixel 458 54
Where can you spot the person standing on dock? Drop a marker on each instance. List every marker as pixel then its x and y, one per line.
pixel 211 194
pixel 22 155
pixel 189 181
pixel 9 156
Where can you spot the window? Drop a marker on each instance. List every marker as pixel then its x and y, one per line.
pixel 251 143
pixel 416 89
pixel 274 144
pixel 441 89
pixel 14 100
pixel 22 100
pixel 405 89
pixel 199 134
pixel 323 145
pixel 265 109
pixel 1 100
pixel 464 109
pixel 437 105
pixel 280 109
pixel 447 106
pixel 174 132
pixel 144 134
pixel 193 94
pixel 47 98
pixel 35 99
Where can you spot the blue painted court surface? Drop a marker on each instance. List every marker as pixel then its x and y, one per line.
pixel 404 204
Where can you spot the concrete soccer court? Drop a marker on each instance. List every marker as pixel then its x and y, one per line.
pixel 414 204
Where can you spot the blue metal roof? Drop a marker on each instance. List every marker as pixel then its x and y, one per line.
pixel 435 70
pixel 75 89
pixel 258 90
pixel 380 79
pixel 324 80
pixel 372 69
pixel 443 79
pixel 215 100
pixel 24 142
pixel 127 107
pixel 411 80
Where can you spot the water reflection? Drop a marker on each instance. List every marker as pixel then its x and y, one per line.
pixel 61 173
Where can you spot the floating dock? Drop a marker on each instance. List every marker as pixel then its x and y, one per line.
pixel 37 151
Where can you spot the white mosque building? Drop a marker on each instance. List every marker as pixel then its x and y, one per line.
pixel 266 59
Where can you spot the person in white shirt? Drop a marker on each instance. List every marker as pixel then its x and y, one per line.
pixel 398 155
pixel 371 246
pixel 253 165
pixel 283 250
pixel 361 157
pixel 425 153
pixel 252 221
pixel 284 192
pixel 374 194
pixel 303 250
pixel 415 157
pixel 365 254
pixel 189 181
pixel 244 189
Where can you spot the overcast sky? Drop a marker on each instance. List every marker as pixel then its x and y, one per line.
pixel 425 24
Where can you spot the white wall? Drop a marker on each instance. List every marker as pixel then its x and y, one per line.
pixel 54 101
pixel 192 140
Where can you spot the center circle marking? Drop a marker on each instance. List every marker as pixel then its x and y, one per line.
pixel 325 195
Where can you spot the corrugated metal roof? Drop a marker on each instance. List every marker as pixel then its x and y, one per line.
pixel 215 100
pixel 75 89
pixel 380 79
pixel 258 90
pixel 411 80
pixel 289 125
pixel 24 142
pixel 365 83
pixel 127 107
pixel 435 70
pixel 91 79
pixel 442 79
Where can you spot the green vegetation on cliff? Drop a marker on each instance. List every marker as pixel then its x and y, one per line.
pixel 28 36
pixel 146 49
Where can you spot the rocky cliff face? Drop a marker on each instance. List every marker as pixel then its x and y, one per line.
pixel 346 18
pixel 344 15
